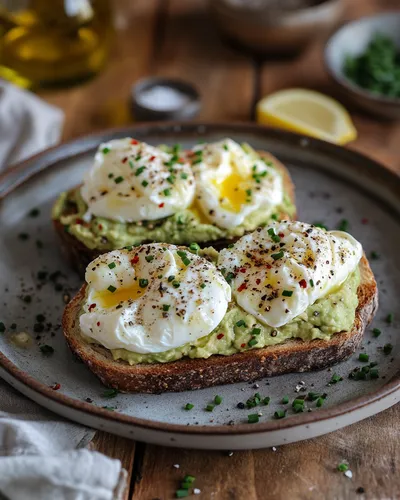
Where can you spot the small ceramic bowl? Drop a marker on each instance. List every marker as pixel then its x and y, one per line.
pixel 273 30
pixel 352 39
pixel 156 98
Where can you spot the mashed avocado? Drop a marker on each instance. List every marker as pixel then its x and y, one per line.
pixel 327 316
pixel 184 227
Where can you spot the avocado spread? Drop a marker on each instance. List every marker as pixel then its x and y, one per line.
pixel 240 331
pixel 184 227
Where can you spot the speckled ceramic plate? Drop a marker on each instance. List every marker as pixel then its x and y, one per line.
pixel 332 184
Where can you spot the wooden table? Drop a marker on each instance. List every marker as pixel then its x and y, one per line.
pixel 175 38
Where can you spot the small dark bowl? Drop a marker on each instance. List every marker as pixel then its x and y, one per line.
pixel 352 39
pixel 187 110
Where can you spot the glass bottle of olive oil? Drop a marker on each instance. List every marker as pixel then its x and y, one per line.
pixel 53 42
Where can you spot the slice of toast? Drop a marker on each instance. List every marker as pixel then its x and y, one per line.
pixel 79 255
pixel 187 374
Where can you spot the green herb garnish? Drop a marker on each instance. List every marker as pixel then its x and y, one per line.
pixel 241 322
pixel 139 171
pixel 376 332
pixel 112 265
pixel 218 400
pixel 118 179
pixel 277 256
pixel 280 414
pixel 166 307
pixel 253 418
pixel 111 289
pixel 110 393
pixel 387 348
pixel 287 293
pixel 363 357
pixel 188 406
pixel 143 283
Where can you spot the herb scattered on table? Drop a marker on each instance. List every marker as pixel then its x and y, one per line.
pixel 110 393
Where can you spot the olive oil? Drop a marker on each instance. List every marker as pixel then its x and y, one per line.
pixel 53 42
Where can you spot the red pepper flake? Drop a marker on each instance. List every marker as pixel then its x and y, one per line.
pixel 55 387
pixel 80 221
pixel 364 221
pixel 258 281
pixel 242 269
pixel 98 323
pixel 134 141
pixel 135 259
pixel 219 336
pixel 100 226
pixel 243 345
pixel 160 205
pixel 152 158
pixel 124 160
pixel 269 266
pixel 281 235
pixel 92 306
pixel 181 160
pixel 303 283
pixel 242 287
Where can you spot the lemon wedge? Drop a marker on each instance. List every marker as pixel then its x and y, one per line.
pixel 307 112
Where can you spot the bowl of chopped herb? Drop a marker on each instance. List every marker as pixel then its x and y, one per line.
pixel 363 58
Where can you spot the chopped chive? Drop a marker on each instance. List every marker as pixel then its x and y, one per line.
pixel 229 277
pixel 374 373
pixel 287 293
pixel 105 151
pixel 110 393
pixel 185 486
pixel 280 414
pixel 298 408
pixel 184 175
pixel 182 493
pixel 139 171
pixel 298 401
pixel 131 164
pixel 47 350
pixel 343 225
pixel 111 289
pixel 197 161
pixel 210 407
pixel 143 283
pixel 171 278
pixel 335 379
pixel 275 238
pixel 119 179
pixel 376 332
pixel 274 216
pixel 167 192
pixel 311 283
pixel 189 479
pixel 110 175
pixel 253 418
pixel 112 265
pixel 241 322
pixel 363 357
pixel 171 179
pixel 312 396
pixel 203 285
pixel 218 400
pixel 285 400
pixel 225 147
pixel 138 157
pixel 271 231
pixel 149 258
pixel 343 467
pixel 252 342
pixel 320 402
pixel 389 318
pixel 194 247
pixel 266 400
pixel 374 255
pixel 145 183
pixel 255 331
pixel 248 192
pixel 321 225
pixel 176 284
pixel 166 307
pixel 189 406
pixel 277 256
pixel 387 348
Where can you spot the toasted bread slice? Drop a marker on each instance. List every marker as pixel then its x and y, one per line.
pixel 79 255
pixel 188 374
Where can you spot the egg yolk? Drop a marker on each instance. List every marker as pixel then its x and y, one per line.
pixel 108 299
pixel 197 211
pixel 230 191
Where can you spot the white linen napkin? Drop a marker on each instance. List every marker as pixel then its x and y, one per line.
pixel 42 456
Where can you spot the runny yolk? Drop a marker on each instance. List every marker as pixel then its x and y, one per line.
pixel 197 211
pixel 109 299
pixel 229 189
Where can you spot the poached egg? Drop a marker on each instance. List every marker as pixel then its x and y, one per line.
pixel 232 182
pixel 278 271
pixel 131 181
pixel 152 298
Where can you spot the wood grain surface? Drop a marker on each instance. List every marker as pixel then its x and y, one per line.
pixel 176 38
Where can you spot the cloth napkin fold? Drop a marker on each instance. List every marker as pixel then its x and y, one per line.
pixel 42 456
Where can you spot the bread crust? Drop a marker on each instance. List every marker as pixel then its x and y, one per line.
pixel 188 374
pixel 79 255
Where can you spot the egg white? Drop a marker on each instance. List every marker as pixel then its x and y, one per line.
pixel 276 281
pixel 122 313
pixel 232 183
pixel 131 181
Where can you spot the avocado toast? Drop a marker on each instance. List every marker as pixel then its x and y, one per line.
pixel 328 307
pixel 87 232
